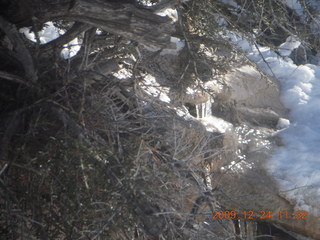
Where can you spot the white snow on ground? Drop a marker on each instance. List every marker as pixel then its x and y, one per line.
pixel 215 124
pixel 71 49
pixel 286 48
pixel 204 115
pixel 283 123
pixel 153 88
pixel 248 140
pixel 211 123
pixel 169 12
pixel 296 165
pixel 123 73
pixel 48 33
pixel 178 46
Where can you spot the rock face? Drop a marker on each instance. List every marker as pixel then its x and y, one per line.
pixel 251 88
pixel 253 99
pixel 256 96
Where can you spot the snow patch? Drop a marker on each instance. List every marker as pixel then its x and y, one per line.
pixel 296 165
pixel 153 88
pixel 49 33
pixel 169 12
pixel 179 45
pixel 215 124
pixel 286 48
pixel 283 123
pixel 71 49
pixel 123 73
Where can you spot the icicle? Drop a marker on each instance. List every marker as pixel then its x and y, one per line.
pixel 203 110
pixel 198 110
pixel 208 108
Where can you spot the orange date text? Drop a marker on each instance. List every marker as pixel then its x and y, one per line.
pixel 260 215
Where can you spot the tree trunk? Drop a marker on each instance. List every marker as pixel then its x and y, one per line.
pixel 127 20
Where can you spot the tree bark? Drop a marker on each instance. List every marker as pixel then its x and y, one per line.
pixel 20 51
pixel 127 20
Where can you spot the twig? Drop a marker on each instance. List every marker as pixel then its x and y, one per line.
pixel 16 79
pixel 74 31
pixel 4 169
pixel 264 60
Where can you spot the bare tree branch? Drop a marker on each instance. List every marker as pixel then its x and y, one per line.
pixel 141 25
pixel 75 30
pixel 21 52
pixel 15 78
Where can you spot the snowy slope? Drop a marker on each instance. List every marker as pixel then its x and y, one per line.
pixel 296 165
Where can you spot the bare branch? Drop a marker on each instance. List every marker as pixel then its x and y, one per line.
pixel 15 78
pixel 21 52
pixel 140 25
pixel 75 30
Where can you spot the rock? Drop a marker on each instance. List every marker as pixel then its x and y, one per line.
pixel 250 88
pixel 258 116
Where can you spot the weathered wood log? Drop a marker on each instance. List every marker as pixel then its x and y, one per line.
pixel 127 20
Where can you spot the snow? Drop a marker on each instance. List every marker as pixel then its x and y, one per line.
pixel 123 73
pixel 286 48
pixel 178 46
pixel 49 33
pixel 153 88
pixel 296 165
pixel 169 12
pixel 190 90
pixel 210 122
pixel 71 49
pixel 215 124
pixel 99 31
pixel 240 166
pixel 175 47
pixel 283 123
pixel 204 115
